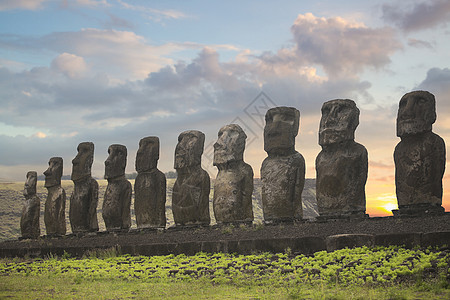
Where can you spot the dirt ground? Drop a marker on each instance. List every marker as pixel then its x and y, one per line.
pixel 383 225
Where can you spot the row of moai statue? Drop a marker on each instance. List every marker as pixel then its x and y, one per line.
pixel 341 174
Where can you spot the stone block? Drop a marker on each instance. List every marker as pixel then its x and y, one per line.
pixel 408 240
pixel 341 241
pixel 436 239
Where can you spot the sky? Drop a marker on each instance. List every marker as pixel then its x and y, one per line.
pixel 115 71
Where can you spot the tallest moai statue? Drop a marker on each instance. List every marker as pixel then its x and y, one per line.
pixel 419 157
pixel 283 171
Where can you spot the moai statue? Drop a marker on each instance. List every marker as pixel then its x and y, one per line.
pixel 342 164
pixel 233 186
pixel 55 206
pixel 190 198
pixel 117 200
pixel 283 171
pixel 419 157
pixel 149 186
pixel 29 221
pixel 84 199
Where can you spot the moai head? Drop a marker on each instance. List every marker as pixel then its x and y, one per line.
pixel 339 120
pixel 281 128
pixel 116 162
pixel 82 163
pixel 189 150
pixel 30 184
pixel 416 113
pixel 54 172
pixel 148 154
pixel 230 144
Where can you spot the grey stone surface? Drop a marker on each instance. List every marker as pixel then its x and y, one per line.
pixel 55 206
pixel 29 221
pixel 419 157
pixel 283 171
pixel 233 186
pixel 190 197
pixel 149 186
pixel 117 200
pixel 340 241
pixel 84 198
pixel 342 164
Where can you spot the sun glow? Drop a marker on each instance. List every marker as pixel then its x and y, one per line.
pixel 390 206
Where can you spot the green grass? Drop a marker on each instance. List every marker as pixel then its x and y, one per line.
pixel 360 273
pixel 16 287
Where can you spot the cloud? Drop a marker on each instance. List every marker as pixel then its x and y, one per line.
pixel 418 16
pixel 40 135
pixel 154 14
pixel 21 4
pixel 77 97
pixel 342 47
pixel 71 65
pixel 437 82
pixel 117 22
pixel 420 44
pixel 92 3
pixel 121 54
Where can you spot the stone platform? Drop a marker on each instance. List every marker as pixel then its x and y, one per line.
pixel 301 237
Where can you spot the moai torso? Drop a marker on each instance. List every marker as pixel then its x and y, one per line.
pixel 55 206
pixel 84 199
pixel 233 186
pixel 283 171
pixel 29 221
pixel 149 186
pixel 342 164
pixel 419 162
pixel 83 206
pixel 190 197
pixel 283 179
pixel 117 200
pixel 419 157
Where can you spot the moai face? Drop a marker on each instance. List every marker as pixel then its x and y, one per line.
pixel 54 172
pixel 116 162
pixel 189 149
pixel 148 154
pixel 416 113
pixel 282 124
pixel 30 184
pixel 82 163
pixel 339 121
pixel 230 144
